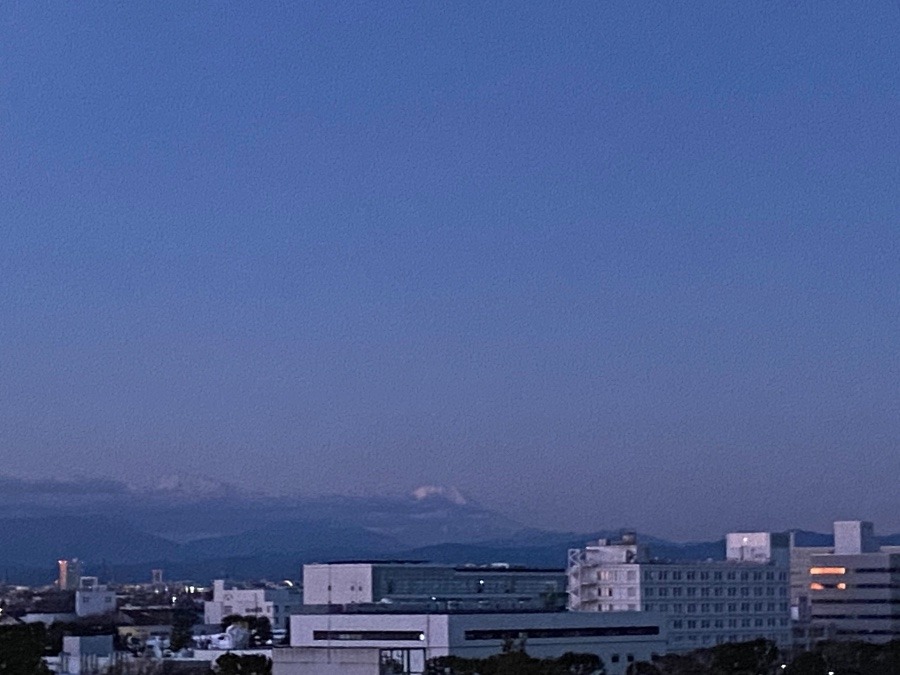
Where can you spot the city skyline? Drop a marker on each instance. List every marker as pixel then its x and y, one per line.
pixel 594 264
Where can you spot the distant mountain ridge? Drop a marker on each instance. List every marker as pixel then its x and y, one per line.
pixel 201 529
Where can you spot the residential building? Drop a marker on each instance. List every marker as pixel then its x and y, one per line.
pixel 276 604
pixel 94 599
pixel 496 586
pixel 330 641
pixel 704 603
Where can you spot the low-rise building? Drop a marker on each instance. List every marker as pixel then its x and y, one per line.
pixel 332 642
pixel 94 599
pixel 276 604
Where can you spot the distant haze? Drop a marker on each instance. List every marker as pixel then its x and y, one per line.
pixel 590 264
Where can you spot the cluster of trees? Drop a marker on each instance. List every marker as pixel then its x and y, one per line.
pixel 760 657
pixel 22 650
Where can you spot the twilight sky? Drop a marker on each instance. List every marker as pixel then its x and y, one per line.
pixel 594 263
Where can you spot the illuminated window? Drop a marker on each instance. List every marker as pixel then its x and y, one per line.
pixel 842 586
pixel 827 570
pixel 816 587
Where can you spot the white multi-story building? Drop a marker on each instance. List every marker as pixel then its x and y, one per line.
pixel 276 604
pixel 359 643
pixel 704 603
pixel 93 598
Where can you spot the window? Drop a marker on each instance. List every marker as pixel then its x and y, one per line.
pixel 372 635
pixel 676 576
pixel 690 576
pixel 614 658
pixel 691 623
pixel 717 576
pixel 676 592
pixel 827 570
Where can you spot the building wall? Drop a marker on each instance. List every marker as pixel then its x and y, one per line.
pixel 337 584
pixel 858 594
pixel 495 587
pixel 322 661
pixel 618 638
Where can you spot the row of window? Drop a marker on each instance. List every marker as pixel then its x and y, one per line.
pixel 678 575
pixel 691 624
pixel 721 639
pixel 858 616
pixel 717 608
pixel 718 591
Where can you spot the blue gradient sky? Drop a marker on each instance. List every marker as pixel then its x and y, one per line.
pixel 594 263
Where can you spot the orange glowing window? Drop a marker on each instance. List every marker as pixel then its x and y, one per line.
pixel 816 587
pixel 842 586
pixel 827 570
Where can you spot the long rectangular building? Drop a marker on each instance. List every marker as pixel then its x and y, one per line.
pixel 332 643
